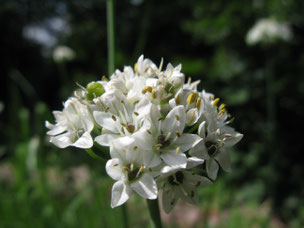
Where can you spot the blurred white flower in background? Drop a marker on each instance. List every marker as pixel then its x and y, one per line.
pixel 63 53
pixel 268 30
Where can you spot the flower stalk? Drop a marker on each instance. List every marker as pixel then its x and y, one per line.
pixel 154 213
pixel 111 39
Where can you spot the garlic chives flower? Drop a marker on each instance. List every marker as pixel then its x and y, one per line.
pixel 144 116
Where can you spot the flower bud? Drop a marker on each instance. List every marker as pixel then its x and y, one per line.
pixel 94 90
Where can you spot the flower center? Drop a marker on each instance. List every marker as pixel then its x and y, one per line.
pixel 211 147
pixel 176 179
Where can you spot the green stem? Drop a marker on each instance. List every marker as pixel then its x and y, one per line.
pixel 110 29
pixel 154 213
pixel 125 215
pixel 95 156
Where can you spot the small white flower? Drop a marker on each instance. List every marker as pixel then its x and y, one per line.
pixel 268 30
pixel 129 169
pixel 213 147
pixel 63 53
pixel 119 118
pixel 165 137
pixel 180 183
pixel 73 126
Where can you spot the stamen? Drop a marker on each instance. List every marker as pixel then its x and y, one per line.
pixel 198 184
pixel 198 103
pixel 135 148
pixel 115 165
pixel 149 132
pixel 168 136
pixel 141 168
pixel 222 106
pixel 214 103
pixel 123 150
pixel 177 100
pixel 136 67
pixel 135 102
pixel 114 118
pixel 178 134
pixel 191 98
pixel 160 118
pixel 132 166
pixel 177 117
pixel 136 113
pixel 159 145
pixel 218 132
pixel 154 94
pixel 177 149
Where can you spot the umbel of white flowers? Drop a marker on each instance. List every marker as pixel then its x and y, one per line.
pixel 164 136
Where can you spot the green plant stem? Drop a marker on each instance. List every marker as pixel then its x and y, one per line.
pixel 111 38
pixel 95 156
pixel 154 213
pixel 125 215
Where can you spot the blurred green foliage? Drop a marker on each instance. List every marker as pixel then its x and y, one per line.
pixel 263 87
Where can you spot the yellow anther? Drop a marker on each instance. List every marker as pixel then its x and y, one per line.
pixel 114 118
pixel 135 102
pixel 154 93
pixel 177 100
pixel 191 98
pixel 160 118
pixel 149 89
pixel 214 103
pixel 136 67
pixel 104 78
pixel 222 106
pixel 177 149
pixel 144 91
pixel 135 148
pixel 123 150
pixel 177 117
pixel 115 164
pixel 178 134
pixel 149 132
pixel 198 103
pixel 132 166
pixel 141 168
pixel 136 113
pixel 159 145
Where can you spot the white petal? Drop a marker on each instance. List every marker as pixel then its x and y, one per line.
pixel 54 129
pixel 145 186
pixel 175 120
pixel 143 108
pixel 169 199
pixel 190 196
pixel 191 117
pixel 105 139
pixel 186 141
pixel 120 194
pixel 223 159
pixel 231 141
pixel 63 140
pixel 114 169
pixel 85 141
pixel 202 129
pixel 106 120
pixel 212 168
pixel 174 159
pixel 193 162
pixel 200 151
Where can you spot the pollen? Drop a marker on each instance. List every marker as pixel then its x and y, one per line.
pixel 222 106
pixel 198 103
pixel 214 103
pixel 154 94
pixel 191 98
pixel 114 118
pixel 177 100
pixel 136 67
pixel 141 168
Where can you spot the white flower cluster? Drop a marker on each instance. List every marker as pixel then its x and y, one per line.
pixel 163 134
pixel 268 30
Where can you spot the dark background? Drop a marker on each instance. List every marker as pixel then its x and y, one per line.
pixel 262 84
